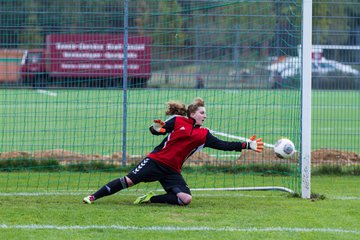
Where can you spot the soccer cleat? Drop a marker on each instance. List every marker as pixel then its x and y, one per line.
pixel 89 199
pixel 145 198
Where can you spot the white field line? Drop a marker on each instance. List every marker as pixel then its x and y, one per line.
pixel 142 191
pixel 177 229
pixel 46 92
pixel 130 193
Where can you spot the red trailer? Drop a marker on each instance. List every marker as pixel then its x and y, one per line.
pixel 88 60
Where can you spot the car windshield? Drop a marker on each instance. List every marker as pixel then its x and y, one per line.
pixel 326 65
pixel 33 57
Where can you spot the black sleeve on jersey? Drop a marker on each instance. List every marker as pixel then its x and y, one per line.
pixel 214 142
pixel 169 127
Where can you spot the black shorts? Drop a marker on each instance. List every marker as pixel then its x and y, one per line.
pixel 148 170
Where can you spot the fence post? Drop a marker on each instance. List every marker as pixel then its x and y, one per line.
pixel 126 14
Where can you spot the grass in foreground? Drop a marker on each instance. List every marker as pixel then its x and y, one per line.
pixel 212 215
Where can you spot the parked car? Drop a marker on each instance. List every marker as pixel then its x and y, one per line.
pixel 284 73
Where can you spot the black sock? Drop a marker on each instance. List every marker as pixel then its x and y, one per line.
pixel 169 198
pixel 111 188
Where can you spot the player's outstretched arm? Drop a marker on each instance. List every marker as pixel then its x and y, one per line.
pixel 215 143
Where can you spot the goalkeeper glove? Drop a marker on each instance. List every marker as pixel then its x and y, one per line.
pixel 254 144
pixel 158 126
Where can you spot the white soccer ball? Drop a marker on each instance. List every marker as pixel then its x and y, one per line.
pixel 284 148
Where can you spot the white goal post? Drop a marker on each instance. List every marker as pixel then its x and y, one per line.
pixel 306 52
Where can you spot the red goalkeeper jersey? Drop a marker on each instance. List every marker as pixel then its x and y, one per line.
pixel 184 139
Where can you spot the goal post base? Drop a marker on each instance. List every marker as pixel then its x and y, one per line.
pixel 270 188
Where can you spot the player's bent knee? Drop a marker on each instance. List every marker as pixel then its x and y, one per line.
pixel 184 198
pixel 129 182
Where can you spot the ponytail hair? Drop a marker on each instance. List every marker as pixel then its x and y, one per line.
pixel 175 108
pixel 198 102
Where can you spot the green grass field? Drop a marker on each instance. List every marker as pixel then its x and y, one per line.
pixel 211 215
pixel 41 204
pixel 91 121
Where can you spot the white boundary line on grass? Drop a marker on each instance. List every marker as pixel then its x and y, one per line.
pixel 46 92
pixel 125 193
pixel 176 229
pixel 142 191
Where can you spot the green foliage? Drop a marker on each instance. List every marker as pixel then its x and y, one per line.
pixel 29 164
pixel 317 196
pixel 168 24
pixel 313 196
pixel 31 33
pixel 355 170
pixel 34 19
pixel 329 170
pixel 253 30
pixel 35 165
pixel 265 169
pixel 336 170
pixel 326 20
pixel 142 15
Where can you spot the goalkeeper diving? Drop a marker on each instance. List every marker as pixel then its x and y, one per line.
pixel 184 135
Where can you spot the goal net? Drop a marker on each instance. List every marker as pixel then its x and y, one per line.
pixel 90 79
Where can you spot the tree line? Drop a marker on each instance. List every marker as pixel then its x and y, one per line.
pixel 271 24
